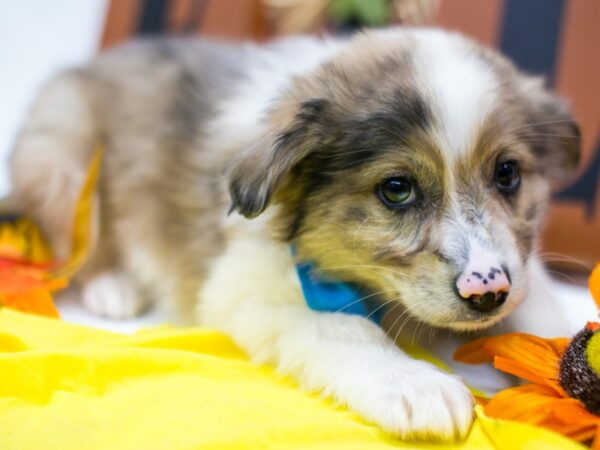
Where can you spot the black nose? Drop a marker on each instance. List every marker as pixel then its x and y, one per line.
pixel 486 302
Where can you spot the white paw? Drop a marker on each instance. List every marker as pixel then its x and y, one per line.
pixel 416 400
pixel 112 295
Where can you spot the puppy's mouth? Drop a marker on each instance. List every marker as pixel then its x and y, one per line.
pixel 479 319
pixel 458 316
pixel 475 324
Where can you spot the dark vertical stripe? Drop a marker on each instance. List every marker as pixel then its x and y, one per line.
pixel 531 33
pixel 153 19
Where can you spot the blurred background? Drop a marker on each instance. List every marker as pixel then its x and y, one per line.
pixel 556 38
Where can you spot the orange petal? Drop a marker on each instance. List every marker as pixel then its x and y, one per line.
pixel 570 418
pixel 594 283
pixel 479 400
pixel 528 403
pixel 535 355
pixel 542 406
pixel 583 434
pixel 596 443
pixel 531 373
pixel 37 301
pixel 22 239
pixel 26 287
pixel 473 353
pixel 573 411
pixel 81 236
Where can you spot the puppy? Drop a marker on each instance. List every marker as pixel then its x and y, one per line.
pixel 411 162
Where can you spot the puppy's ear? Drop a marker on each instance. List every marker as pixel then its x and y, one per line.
pixel 261 171
pixel 552 131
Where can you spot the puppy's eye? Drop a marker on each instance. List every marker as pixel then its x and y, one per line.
pixel 507 177
pixel 397 192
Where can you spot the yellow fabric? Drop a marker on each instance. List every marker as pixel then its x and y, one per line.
pixel 65 387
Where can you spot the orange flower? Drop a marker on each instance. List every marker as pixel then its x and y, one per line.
pixel 544 402
pixel 28 275
pixel 26 287
pixel 595 285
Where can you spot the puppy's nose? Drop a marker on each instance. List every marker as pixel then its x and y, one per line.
pixel 484 289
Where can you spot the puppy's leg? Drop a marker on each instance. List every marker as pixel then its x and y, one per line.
pixel 254 296
pixel 113 294
pixel 51 156
pixel 48 167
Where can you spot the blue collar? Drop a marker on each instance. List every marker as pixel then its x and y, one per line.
pixel 332 296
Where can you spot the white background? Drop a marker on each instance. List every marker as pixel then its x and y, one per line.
pixel 38 38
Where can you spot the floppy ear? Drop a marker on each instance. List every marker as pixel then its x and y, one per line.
pixel 553 132
pixel 260 172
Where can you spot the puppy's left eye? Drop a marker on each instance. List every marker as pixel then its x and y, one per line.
pixel 507 177
pixel 397 192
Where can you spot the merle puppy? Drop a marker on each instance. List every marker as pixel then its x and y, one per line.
pixel 411 162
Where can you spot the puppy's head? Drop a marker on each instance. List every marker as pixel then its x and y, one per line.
pixel 418 165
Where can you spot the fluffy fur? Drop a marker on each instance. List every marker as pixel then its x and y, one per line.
pixel 301 133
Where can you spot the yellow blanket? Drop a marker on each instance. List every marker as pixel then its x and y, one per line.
pixel 65 387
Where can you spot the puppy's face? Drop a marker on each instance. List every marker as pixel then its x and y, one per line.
pixel 417 165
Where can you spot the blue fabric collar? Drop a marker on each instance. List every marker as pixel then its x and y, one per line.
pixel 332 296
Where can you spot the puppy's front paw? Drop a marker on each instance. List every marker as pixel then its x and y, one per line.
pixel 416 400
pixel 113 295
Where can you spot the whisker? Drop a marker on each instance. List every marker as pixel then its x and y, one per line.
pixel 413 316
pixel 565 276
pixel 409 315
pixel 361 299
pixel 393 300
pixel 563 258
pixel 391 328
pixel 432 333
pixel 420 330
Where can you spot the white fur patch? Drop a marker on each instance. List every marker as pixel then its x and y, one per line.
pixel 272 68
pixel 459 86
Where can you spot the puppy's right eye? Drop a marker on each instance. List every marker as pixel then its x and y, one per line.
pixel 397 193
pixel 507 177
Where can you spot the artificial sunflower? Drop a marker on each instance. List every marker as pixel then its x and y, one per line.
pixel 28 274
pixel 564 390
pixel 27 287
